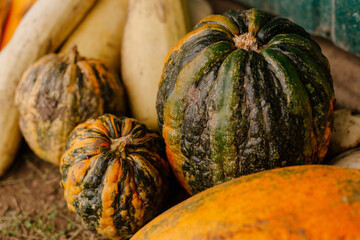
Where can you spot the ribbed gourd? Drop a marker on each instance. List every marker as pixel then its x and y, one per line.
pixel 114 175
pixel 241 93
pixel 57 92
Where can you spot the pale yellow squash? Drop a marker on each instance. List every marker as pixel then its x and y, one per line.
pixel 198 10
pixel 151 29
pixel 99 35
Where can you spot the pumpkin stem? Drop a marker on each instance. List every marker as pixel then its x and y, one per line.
pixel 247 41
pixel 118 145
pixel 73 56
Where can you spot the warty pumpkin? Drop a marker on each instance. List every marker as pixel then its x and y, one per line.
pixel 298 202
pixel 114 174
pixel 243 92
pixel 58 92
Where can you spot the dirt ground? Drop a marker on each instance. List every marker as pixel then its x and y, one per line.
pixel 31 199
pixel 32 204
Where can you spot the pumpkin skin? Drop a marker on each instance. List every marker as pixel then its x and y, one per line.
pixel 58 92
pixel 242 93
pixel 114 175
pixel 297 202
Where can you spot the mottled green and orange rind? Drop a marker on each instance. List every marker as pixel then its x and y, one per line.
pixel 115 193
pixel 226 112
pixel 299 202
pixel 58 92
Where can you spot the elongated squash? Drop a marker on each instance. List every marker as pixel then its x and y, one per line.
pixel 4 11
pixel 99 35
pixel 151 29
pixel 41 31
pixel 199 9
pixel 18 8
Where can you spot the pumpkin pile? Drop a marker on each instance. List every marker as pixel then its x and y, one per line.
pixel 227 109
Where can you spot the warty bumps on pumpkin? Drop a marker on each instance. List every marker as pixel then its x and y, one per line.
pixel 241 93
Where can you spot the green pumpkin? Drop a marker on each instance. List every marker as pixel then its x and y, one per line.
pixel 241 93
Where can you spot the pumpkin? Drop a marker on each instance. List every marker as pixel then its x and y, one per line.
pixel 297 202
pixel 60 91
pixel 241 93
pixel 114 174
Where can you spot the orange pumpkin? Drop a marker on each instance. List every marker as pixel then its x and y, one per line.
pixel 302 202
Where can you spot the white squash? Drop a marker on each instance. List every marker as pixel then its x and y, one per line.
pixel 42 30
pixel 198 10
pixel 347 159
pixel 151 29
pixel 346 134
pixel 99 35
